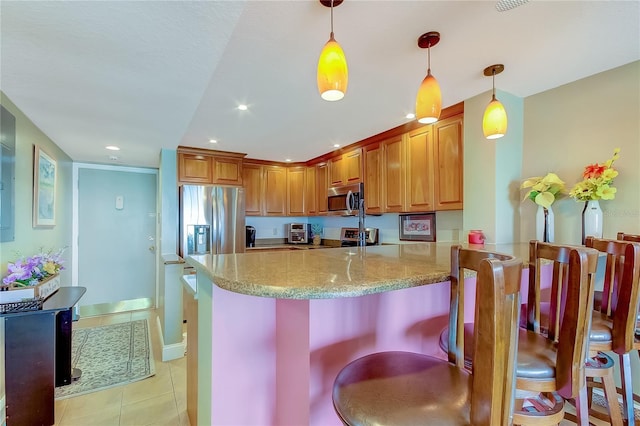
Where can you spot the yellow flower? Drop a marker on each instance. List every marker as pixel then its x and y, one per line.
pixel 49 268
pixel 606 192
pixel 597 181
pixel 544 190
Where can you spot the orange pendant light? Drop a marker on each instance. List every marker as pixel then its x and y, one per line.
pixel 494 122
pixel 333 74
pixel 429 98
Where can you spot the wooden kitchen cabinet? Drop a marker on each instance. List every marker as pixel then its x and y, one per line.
pixel 322 187
pixel 194 168
pixel 346 168
pixel 310 192
pixel 420 171
pixel 209 167
pixel 295 191
pixel 252 180
pixel 227 171
pixel 448 157
pixel 275 191
pixel 394 172
pixel 265 188
pixel 373 177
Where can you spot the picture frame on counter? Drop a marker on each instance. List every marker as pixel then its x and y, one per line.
pixel 44 188
pixel 418 227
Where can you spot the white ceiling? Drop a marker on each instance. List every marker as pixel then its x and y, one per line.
pixel 146 75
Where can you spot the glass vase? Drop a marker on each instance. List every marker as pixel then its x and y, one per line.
pixel 592 220
pixel 544 224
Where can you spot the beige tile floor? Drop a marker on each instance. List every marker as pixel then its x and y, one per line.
pixel 158 400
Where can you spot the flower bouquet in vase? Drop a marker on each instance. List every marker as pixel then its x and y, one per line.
pixel 544 191
pixel 595 186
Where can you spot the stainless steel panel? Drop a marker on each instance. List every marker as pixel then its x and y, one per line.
pixel 222 209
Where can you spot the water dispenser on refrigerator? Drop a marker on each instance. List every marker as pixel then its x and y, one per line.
pixel 198 239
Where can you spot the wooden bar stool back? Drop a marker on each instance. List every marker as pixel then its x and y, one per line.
pixel 614 322
pixel 554 363
pixel 405 388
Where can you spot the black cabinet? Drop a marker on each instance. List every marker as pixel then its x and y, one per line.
pixel 37 350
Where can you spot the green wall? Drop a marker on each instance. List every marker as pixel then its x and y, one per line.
pixel 561 130
pixel 581 123
pixel 30 240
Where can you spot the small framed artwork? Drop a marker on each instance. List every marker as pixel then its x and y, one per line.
pixel 44 188
pixel 418 227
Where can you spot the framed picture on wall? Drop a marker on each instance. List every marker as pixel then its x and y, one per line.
pixel 418 227
pixel 44 188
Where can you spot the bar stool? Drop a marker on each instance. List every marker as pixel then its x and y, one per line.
pixel 404 388
pixel 556 362
pixel 614 322
pixel 545 367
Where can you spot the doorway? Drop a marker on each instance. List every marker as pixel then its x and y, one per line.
pixel 115 242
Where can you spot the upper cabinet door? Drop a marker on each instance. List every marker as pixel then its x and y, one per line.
pixel 420 171
pixel 252 178
pixel 352 164
pixel 310 192
pixel 227 171
pixel 394 174
pixel 448 154
pixel 275 191
pixel 346 168
pixel 322 187
pixel 194 168
pixel 373 178
pixel 295 191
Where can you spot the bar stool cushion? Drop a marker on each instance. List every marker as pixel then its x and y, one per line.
pixel 601 328
pixel 536 353
pixel 407 397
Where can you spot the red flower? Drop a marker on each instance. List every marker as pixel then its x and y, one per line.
pixel 593 171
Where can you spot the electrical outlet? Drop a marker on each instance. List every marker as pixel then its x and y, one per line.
pixel 275 231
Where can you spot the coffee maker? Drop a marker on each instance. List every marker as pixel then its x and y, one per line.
pixel 251 236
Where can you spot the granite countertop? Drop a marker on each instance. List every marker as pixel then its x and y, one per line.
pixel 340 272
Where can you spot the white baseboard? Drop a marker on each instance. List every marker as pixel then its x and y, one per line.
pixel 173 351
pixel 3 412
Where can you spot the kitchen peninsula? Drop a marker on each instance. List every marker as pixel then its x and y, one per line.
pixel 274 328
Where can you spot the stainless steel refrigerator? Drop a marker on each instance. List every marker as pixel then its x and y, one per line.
pixel 211 220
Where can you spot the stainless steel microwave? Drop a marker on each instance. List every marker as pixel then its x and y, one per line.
pixel 346 200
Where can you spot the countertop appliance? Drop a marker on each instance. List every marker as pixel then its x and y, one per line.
pixel 298 233
pixel 349 236
pixel 345 200
pixel 251 236
pixel 212 220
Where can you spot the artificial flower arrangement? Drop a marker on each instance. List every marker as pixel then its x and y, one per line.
pixel 597 180
pixel 544 190
pixel 29 271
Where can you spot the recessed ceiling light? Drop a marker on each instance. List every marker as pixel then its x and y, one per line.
pixel 410 116
pixel 213 141
pixel 243 107
pixel 112 148
pixel 336 145
pixel 288 160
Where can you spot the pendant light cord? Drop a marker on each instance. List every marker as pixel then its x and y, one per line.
pixel 493 77
pixel 428 58
pixel 331 18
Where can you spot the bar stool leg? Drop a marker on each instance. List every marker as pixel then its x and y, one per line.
pixel 582 408
pixel 627 390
